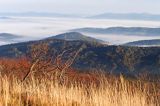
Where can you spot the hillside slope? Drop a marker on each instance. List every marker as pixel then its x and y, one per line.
pixel 116 59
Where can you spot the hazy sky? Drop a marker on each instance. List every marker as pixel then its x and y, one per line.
pixel 81 6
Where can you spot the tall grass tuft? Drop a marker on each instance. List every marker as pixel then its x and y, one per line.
pixel 107 91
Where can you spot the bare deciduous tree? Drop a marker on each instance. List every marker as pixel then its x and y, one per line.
pixel 42 60
pixel 37 53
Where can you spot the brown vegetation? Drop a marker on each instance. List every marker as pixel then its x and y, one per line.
pixel 41 80
pixel 111 91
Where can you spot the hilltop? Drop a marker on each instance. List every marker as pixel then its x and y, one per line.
pixel 73 36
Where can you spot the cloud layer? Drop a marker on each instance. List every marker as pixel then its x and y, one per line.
pixel 81 6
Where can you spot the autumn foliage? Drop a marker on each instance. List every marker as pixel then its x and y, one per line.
pixel 40 79
pixel 16 67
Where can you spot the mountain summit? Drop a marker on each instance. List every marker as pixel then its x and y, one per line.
pixel 71 36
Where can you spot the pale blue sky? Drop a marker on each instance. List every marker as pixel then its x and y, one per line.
pixel 81 6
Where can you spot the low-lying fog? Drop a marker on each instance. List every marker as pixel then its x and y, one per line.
pixel 121 39
pixel 32 28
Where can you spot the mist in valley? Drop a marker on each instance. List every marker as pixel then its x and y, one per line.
pixel 35 28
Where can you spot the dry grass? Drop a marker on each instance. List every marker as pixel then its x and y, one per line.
pixel 108 91
pixel 53 83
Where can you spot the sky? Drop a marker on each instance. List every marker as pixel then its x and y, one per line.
pixel 81 6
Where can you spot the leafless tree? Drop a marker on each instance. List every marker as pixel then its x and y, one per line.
pixel 42 60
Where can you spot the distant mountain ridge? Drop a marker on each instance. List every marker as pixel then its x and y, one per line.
pixel 153 42
pixel 71 36
pixel 143 31
pixel 118 16
pixel 36 14
pixel 4 17
pixel 8 36
pixel 128 16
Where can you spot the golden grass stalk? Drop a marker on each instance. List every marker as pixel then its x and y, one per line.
pixel 44 92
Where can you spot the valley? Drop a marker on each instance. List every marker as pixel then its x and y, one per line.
pixel 79 53
pixel 36 28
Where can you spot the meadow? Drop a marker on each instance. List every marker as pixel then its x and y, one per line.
pixel 108 91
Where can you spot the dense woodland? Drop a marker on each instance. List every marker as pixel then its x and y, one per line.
pixel 115 59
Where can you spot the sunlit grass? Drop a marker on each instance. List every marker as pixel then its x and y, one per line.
pixel 47 92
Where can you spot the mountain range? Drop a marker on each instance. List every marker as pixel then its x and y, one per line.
pixel 118 16
pixel 127 16
pixel 115 59
pixel 36 14
pixel 140 31
pixel 153 42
